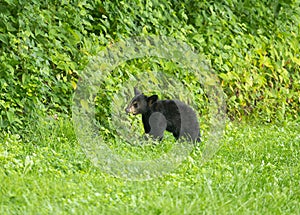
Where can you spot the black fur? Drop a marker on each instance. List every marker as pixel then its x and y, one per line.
pixel 160 115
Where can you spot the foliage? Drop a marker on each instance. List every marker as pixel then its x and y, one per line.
pixel 39 57
pixel 252 45
pixel 256 53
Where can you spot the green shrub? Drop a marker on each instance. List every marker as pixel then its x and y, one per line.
pixel 252 45
pixel 40 53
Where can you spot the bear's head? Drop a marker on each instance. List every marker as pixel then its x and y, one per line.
pixel 140 104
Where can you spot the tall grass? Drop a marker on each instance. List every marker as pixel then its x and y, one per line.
pixel 256 171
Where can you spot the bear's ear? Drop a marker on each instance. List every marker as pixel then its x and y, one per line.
pixel 152 99
pixel 136 92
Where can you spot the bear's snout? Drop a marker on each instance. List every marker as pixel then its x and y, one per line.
pixel 129 110
pixel 132 110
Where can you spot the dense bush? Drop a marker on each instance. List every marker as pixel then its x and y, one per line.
pixel 40 53
pixel 252 45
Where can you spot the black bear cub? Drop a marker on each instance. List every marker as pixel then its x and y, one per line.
pixel 160 115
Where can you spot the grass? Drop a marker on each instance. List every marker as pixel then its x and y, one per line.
pixel 256 171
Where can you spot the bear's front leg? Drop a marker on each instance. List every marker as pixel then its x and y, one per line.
pixel 158 125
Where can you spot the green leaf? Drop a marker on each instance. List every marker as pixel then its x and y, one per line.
pixel 10 115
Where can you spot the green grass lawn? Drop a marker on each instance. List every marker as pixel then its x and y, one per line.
pixel 256 171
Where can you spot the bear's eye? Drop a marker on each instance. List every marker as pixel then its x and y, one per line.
pixel 135 105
